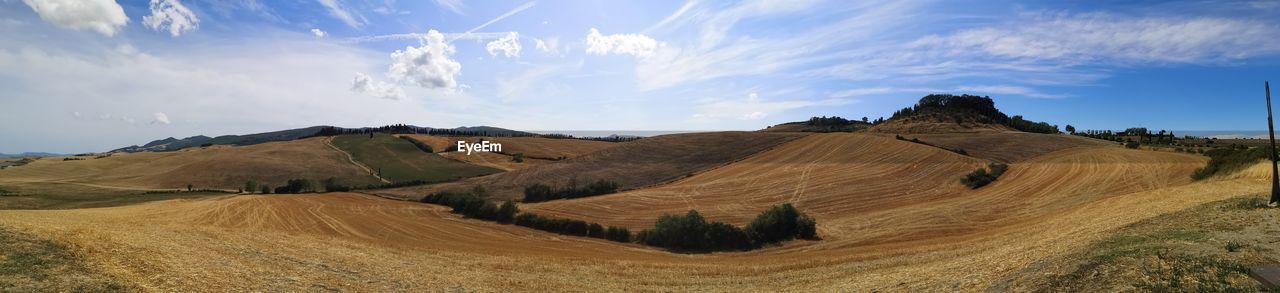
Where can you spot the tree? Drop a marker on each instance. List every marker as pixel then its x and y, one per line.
pixel 189 187
pixel 1071 129
pixel 266 189
pixel 507 212
pixel 250 186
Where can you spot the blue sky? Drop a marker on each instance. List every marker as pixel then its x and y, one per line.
pixel 92 75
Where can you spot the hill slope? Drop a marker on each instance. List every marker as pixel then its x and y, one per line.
pixel 632 164
pixel 224 167
pixel 398 160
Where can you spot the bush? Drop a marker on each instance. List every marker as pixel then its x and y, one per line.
pixel 1224 161
pixel 542 192
pixel 983 176
pixel 1131 144
pixel 559 226
pixel 595 231
pixel 780 223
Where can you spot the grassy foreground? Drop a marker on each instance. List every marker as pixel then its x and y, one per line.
pixel 400 160
pixel 31 264
pixel 1204 249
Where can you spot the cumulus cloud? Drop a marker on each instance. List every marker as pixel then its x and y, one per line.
pixel 428 66
pixel 365 85
pixel 172 14
pixel 337 10
pixel 509 45
pixel 160 118
pixel 319 33
pixel 623 44
pixel 102 16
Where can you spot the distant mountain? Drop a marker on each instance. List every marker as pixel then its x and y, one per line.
pixel 173 144
pixel 29 154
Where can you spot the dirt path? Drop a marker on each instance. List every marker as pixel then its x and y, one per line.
pixel 329 142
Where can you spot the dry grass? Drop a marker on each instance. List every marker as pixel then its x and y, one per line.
pixel 891 213
pixel 531 147
pixel 1008 146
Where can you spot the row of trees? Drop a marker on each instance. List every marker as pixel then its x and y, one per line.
pixel 1017 122
pixel 691 232
pixel 475 205
pixel 573 227
pixel 611 138
pixel 472 205
pixel 1142 134
pixel 542 192
pixel 302 185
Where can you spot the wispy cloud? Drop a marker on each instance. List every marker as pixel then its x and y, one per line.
pixel 455 6
pixel 752 107
pixel 513 11
pixel 341 12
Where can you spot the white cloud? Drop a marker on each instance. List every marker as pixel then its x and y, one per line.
pixel 428 66
pixel 550 45
pixel 711 55
pixel 76 114
pixel 1007 90
pixel 1102 37
pixel 752 107
pixel 337 10
pixel 160 118
pixel 623 44
pixel 455 6
pixel 318 33
pixel 364 84
pixel 172 13
pixel 509 45
pixel 103 16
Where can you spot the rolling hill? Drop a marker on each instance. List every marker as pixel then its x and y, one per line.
pixel 397 160
pixel 632 164
pixel 874 237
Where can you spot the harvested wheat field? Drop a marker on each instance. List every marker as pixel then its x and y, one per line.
pixel 225 167
pixel 1008 146
pixel 900 222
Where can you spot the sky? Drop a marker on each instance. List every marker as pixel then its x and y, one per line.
pixel 94 75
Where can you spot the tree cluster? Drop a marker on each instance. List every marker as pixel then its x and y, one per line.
pixel 983 176
pixel 410 129
pixel 573 227
pixel 1017 122
pixel 692 232
pixel 538 192
pixel 297 186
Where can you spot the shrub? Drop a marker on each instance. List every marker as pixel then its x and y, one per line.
pixel 1131 144
pixel 983 176
pixel 507 212
pixel 517 157
pixel 780 223
pixel 541 192
pixel 472 206
pixel 1224 161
